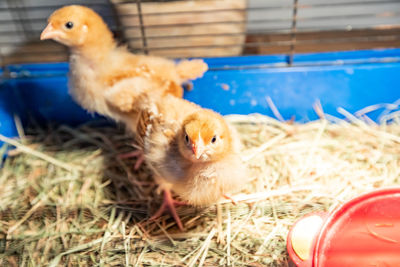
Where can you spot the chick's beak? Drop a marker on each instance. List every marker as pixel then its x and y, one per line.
pixel 198 150
pixel 49 33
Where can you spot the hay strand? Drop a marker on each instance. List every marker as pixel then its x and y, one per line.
pixel 38 154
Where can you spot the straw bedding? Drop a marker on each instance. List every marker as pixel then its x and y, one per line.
pixel 67 200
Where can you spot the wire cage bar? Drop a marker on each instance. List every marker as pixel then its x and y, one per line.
pixel 210 28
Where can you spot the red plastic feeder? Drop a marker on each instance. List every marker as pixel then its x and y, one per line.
pixel 362 232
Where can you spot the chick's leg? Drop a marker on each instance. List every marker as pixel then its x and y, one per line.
pixel 169 203
pixel 134 154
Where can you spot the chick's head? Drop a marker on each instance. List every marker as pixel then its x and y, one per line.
pixel 205 137
pixel 75 26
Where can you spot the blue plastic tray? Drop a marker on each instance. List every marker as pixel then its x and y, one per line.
pixel 235 85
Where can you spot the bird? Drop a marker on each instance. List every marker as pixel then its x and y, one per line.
pixel 191 151
pixel 107 78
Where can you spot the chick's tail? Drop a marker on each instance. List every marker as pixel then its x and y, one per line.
pixel 191 69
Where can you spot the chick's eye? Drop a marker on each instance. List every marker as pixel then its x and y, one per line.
pixel 187 138
pixel 69 25
pixel 214 139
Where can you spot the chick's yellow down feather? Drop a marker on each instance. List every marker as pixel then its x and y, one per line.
pixel 107 78
pixel 191 151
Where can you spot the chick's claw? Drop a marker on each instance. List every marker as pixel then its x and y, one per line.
pixel 134 154
pixel 169 203
pixel 228 197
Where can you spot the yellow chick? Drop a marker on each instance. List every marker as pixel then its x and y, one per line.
pixel 191 151
pixel 107 78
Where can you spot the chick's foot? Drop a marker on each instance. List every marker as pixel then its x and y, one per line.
pixel 169 203
pixel 134 154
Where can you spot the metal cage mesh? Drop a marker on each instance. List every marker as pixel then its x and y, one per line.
pixel 210 28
